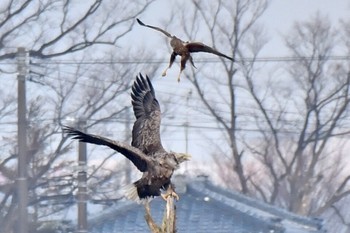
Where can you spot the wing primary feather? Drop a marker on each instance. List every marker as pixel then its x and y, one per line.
pixel 194 47
pixel 155 28
pixel 150 86
pixel 146 129
pixel 137 157
pixel 143 97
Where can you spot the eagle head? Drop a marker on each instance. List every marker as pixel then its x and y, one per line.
pixel 176 158
pixel 182 157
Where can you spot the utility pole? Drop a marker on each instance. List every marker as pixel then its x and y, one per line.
pixel 82 194
pixel 187 124
pixel 22 186
pixel 127 137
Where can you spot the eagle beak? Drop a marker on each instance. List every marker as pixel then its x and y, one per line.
pixel 182 157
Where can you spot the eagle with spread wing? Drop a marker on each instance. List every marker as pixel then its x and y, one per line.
pixel 184 49
pixel 146 151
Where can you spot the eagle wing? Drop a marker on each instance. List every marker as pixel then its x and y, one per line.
pixel 137 157
pixel 155 28
pixel 146 129
pixel 194 47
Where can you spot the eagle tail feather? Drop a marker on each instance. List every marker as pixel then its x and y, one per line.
pixel 130 192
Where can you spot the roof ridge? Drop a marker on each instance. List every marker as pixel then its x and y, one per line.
pixel 265 210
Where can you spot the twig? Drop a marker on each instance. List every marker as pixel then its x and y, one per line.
pixel 150 222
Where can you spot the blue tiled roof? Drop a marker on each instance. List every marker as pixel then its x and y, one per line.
pixel 205 208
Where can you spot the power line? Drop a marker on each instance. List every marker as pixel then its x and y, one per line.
pixel 171 101
pixel 193 126
pixel 208 60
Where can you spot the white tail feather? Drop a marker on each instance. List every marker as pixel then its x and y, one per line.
pixel 130 192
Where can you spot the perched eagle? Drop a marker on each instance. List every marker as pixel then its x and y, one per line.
pixel 184 49
pixel 146 151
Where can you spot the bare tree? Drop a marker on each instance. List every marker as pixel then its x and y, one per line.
pixel 299 135
pixel 54 28
pixel 285 134
pixel 100 97
pixel 214 16
pixel 65 88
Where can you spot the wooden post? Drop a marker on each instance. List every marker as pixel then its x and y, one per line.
pixel 169 217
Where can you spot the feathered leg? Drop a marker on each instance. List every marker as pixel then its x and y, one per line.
pixel 184 59
pixel 172 59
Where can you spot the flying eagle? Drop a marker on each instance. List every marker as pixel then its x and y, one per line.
pixel 146 151
pixel 184 49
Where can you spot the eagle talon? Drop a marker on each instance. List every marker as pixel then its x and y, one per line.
pixel 164 72
pixel 176 196
pixel 171 194
pixel 184 49
pixel 142 153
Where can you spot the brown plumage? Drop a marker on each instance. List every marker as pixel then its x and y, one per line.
pixel 146 151
pixel 184 49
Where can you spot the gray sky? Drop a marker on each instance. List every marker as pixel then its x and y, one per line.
pixel 277 21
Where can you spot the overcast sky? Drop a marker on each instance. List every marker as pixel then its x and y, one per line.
pixel 277 20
